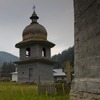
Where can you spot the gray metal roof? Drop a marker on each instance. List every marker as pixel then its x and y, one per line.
pixel 58 72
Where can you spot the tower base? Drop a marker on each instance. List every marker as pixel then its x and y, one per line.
pixel 85 89
pixel 76 95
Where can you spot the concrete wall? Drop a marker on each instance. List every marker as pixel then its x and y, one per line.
pixel 41 72
pixel 87 38
pixel 87 49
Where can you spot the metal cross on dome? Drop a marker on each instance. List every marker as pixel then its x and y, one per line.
pixel 34 8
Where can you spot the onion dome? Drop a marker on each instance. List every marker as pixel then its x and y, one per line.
pixel 34 31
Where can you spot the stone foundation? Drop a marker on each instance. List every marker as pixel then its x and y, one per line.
pixel 89 85
pixel 76 95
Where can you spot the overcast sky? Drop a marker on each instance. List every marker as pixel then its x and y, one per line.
pixel 55 15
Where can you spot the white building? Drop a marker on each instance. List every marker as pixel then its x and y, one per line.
pixel 14 76
pixel 59 75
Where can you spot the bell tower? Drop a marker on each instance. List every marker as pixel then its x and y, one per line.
pixel 35 64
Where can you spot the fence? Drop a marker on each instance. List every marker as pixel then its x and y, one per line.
pixel 54 89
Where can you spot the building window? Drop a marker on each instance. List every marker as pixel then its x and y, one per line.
pixel 28 52
pixel 44 52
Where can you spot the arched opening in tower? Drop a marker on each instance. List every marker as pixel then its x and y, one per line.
pixel 44 52
pixel 28 52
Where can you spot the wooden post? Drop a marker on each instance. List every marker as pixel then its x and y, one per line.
pixel 68 70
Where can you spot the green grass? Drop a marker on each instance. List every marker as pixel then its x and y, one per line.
pixel 13 91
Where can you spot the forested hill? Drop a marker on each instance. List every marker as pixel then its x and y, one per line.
pixel 64 56
pixel 7 57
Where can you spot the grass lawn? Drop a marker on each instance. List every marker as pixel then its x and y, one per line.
pixel 13 91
